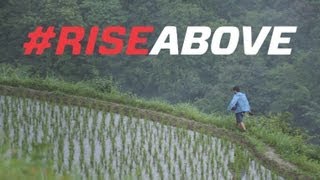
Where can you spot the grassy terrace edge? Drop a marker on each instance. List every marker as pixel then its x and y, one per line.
pixel 180 115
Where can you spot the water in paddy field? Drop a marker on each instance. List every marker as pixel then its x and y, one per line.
pixel 93 144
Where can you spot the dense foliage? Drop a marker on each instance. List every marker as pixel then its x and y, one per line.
pixel 272 83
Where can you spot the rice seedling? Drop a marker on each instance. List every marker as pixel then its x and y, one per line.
pixel 94 140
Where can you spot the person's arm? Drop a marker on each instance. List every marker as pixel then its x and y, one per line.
pixel 233 102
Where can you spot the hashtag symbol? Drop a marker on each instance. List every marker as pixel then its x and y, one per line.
pixel 39 40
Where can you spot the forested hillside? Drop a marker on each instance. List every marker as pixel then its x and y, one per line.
pixel 272 83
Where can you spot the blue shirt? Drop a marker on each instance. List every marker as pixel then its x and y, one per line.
pixel 240 102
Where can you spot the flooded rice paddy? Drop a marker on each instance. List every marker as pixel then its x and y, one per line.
pixel 93 144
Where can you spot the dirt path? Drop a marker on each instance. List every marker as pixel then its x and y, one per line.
pixel 270 159
pixel 270 154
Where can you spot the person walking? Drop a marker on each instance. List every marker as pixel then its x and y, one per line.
pixel 239 105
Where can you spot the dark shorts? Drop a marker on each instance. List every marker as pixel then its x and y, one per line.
pixel 239 117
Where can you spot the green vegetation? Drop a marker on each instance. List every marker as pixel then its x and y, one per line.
pixel 284 90
pixel 13 168
pixel 273 130
pixel 272 83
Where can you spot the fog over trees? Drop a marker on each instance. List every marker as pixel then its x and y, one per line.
pixel 272 83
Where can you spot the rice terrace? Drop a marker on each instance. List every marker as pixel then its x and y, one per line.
pixel 105 144
pixel 51 134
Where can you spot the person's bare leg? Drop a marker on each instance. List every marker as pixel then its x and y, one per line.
pixel 243 127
